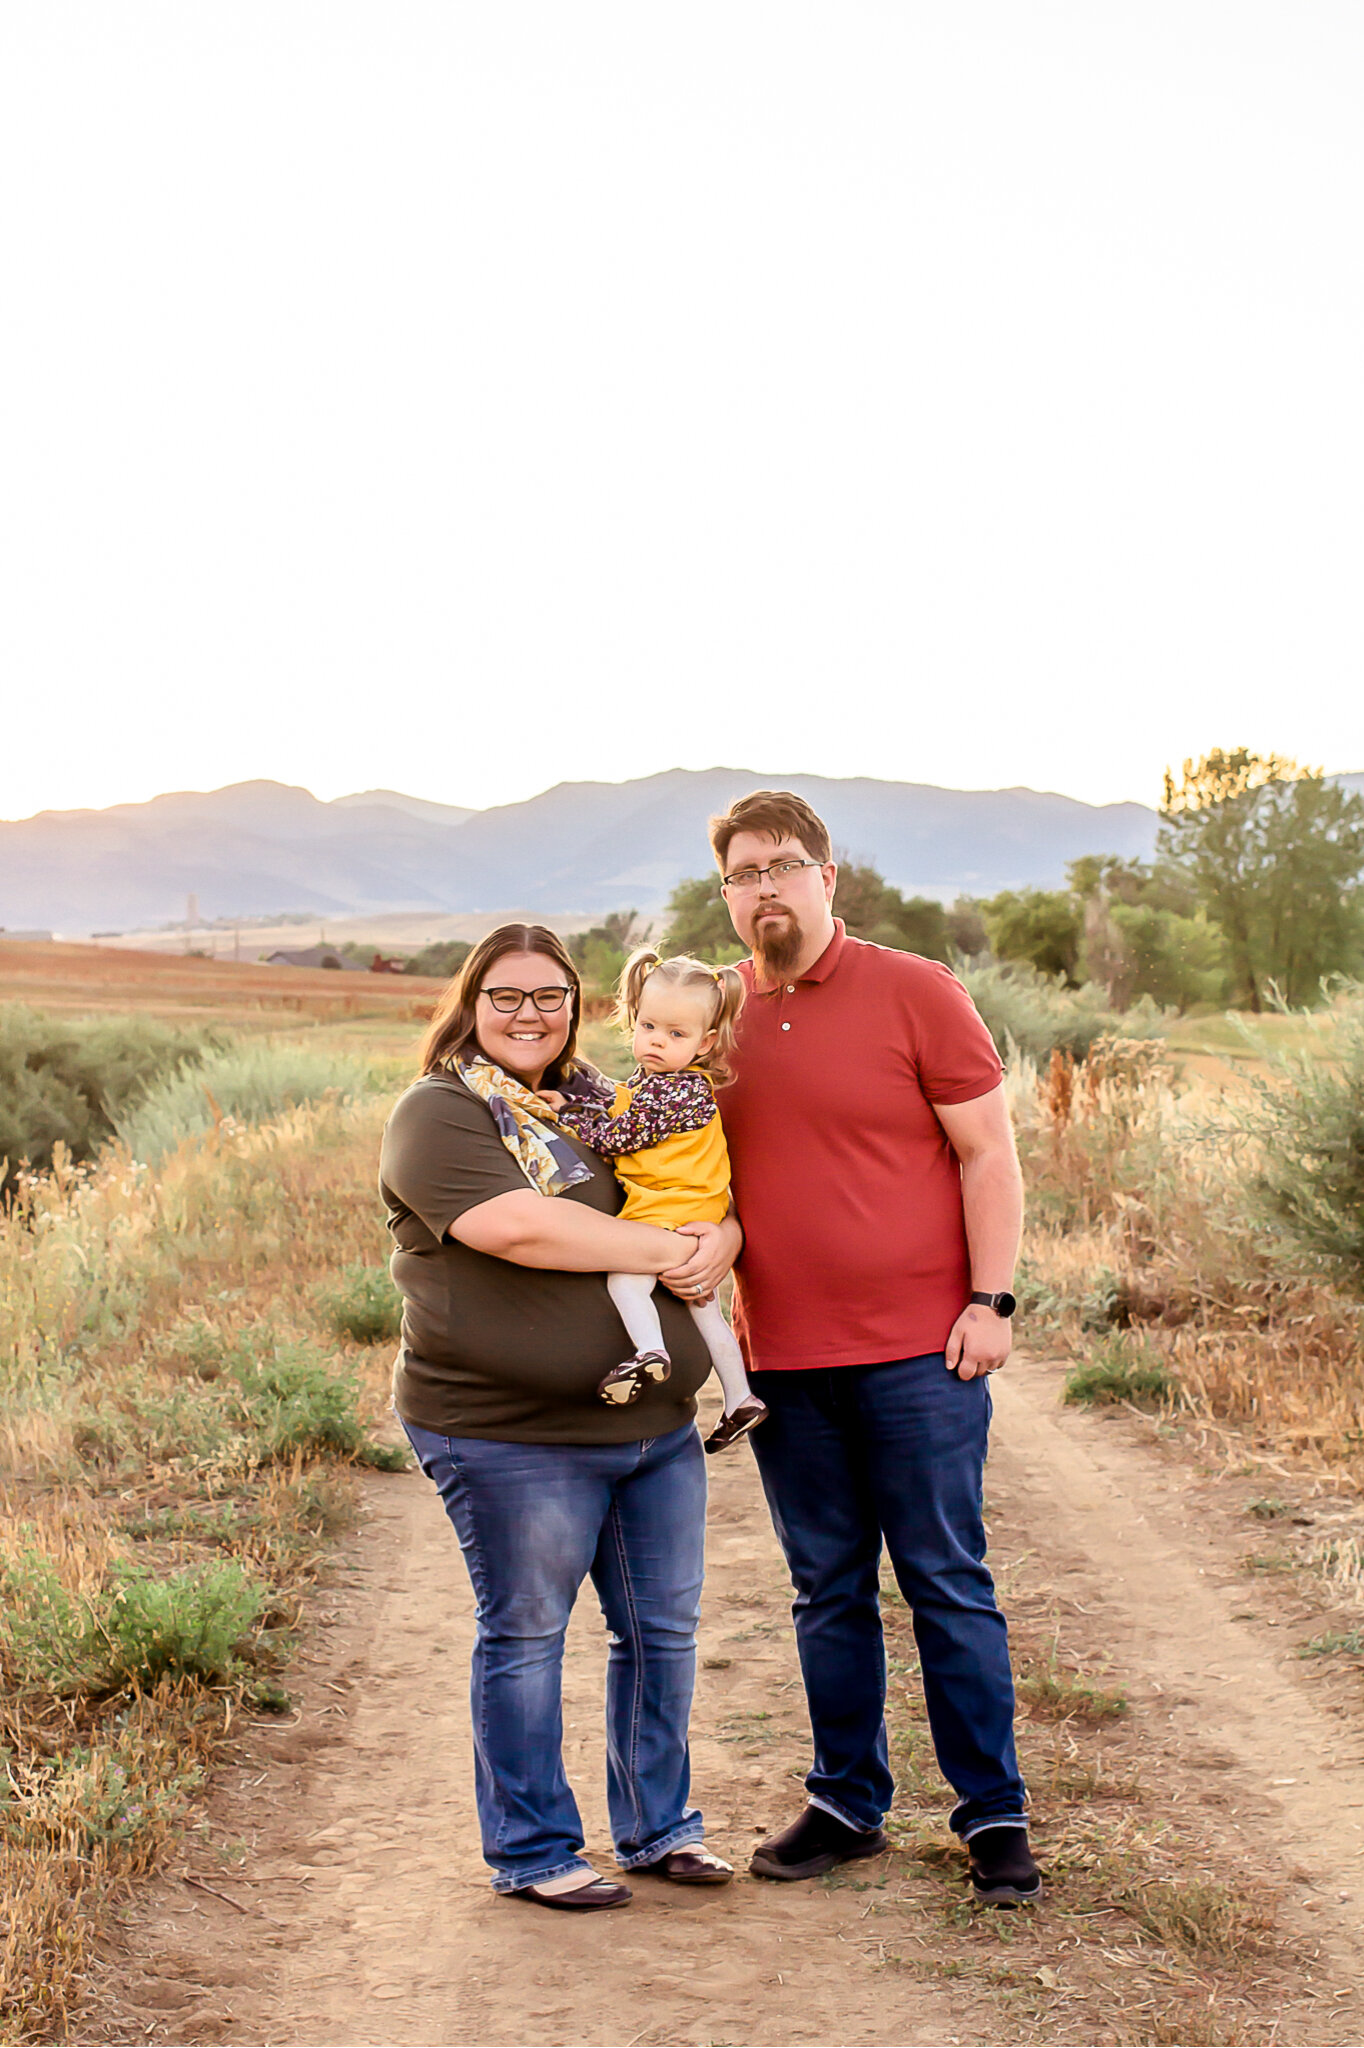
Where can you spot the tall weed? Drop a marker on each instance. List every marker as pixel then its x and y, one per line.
pixel 247 1083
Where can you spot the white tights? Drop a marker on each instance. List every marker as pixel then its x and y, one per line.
pixel 633 1294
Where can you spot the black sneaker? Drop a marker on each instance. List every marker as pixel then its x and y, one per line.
pixel 813 1844
pixel 1002 1869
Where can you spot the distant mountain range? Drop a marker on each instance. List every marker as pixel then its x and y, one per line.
pixel 258 848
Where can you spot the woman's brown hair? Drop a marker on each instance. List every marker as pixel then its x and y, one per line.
pixel 721 988
pixel 453 1030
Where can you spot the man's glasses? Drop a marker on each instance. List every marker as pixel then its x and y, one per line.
pixel 510 1000
pixel 749 878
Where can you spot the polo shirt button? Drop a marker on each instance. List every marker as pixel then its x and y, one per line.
pixel 790 988
pixel 786 1027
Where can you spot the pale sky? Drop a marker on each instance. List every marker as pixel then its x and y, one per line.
pixel 468 397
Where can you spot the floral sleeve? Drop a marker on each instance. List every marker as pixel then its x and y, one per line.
pixel 664 1106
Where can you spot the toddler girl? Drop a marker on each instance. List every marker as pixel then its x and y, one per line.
pixel 664 1133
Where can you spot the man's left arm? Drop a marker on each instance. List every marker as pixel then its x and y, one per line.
pixel 981 1135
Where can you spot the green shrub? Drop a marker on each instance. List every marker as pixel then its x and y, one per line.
pixel 296 1400
pixel 1305 1120
pixel 249 1083
pixel 47 1639
pixel 68 1081
pixel 259 1399
pixel 189 1625
pixel 1036 1014
pixel 1120 1370
pixel 137 1630
pixel 362 1304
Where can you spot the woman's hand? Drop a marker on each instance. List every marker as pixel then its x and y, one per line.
pixel 718 1245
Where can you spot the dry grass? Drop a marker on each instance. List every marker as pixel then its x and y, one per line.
pixel 1142 1243
pixel 176 1424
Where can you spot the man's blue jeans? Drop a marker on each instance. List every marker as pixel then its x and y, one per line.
pixel 533 1521
pixel 851 1455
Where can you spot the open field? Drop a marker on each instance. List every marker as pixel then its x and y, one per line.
pixel 270 1837
pixel 85 980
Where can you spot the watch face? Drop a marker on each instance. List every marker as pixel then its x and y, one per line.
pixel 1005 1304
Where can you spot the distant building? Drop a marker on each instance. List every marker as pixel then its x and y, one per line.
pixel 315 956
pixel 40 937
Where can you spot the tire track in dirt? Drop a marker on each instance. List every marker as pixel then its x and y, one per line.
pixel 1166 1592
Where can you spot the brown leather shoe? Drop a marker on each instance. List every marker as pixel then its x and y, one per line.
pixel 688 1866
pixel 730 1428
pixel 597 1897
pixel 625 1383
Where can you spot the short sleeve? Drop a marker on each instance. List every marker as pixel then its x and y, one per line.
pixel 442 1155
pixel 954 1052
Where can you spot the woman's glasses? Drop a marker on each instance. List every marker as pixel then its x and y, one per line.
pixel 510 1000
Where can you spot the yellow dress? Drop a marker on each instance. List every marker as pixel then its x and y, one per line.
pixel 682 1179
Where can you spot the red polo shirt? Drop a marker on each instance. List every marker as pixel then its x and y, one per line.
pixel 848 1191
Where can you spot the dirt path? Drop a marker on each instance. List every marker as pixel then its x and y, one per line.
pixel 1174 1614
pixel 346 1902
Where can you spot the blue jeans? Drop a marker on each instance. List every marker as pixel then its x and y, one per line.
pixel 851 1455
pixel 533 1521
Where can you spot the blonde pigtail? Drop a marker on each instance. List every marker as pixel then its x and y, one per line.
pixel 630 987
pixel 730 990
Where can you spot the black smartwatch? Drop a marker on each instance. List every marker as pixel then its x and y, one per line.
pixel 1002 1304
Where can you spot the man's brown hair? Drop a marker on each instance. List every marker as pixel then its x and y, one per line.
pixel 777 814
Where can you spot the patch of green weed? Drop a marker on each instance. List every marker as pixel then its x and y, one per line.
pixel 1120 1370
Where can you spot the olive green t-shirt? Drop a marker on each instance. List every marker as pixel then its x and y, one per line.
pixel 490 1348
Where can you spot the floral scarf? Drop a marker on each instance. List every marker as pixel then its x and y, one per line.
pixel 545 1157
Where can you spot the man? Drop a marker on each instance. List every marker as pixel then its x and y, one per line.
pixel 875 1175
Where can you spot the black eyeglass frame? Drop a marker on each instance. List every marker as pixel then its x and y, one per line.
pixel 559 994
pixel 740 879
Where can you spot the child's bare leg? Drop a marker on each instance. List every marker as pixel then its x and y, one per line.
pixel 743 1409
pixel 633 1295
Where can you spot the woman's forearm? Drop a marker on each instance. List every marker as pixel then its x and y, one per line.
pixel 538 1230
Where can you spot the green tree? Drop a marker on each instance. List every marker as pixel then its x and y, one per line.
pixel 1145 933
pixel 1042 927
pixel 443 958
pixel 1274 854
pixel 966 928
pixel 1177 961
pixel 698 923
pixel 599 953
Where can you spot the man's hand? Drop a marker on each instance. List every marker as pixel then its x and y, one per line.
pixel 718 1245
pixel 979 1342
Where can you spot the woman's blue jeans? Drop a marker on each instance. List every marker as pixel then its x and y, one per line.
pixel 852 1456
pixel 533 1521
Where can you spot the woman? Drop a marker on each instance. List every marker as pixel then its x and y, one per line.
pixel 505 1229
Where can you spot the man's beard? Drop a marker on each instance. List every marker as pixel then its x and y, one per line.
pixel 777 944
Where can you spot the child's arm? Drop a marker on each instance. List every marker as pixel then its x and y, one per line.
pixel 664 1106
